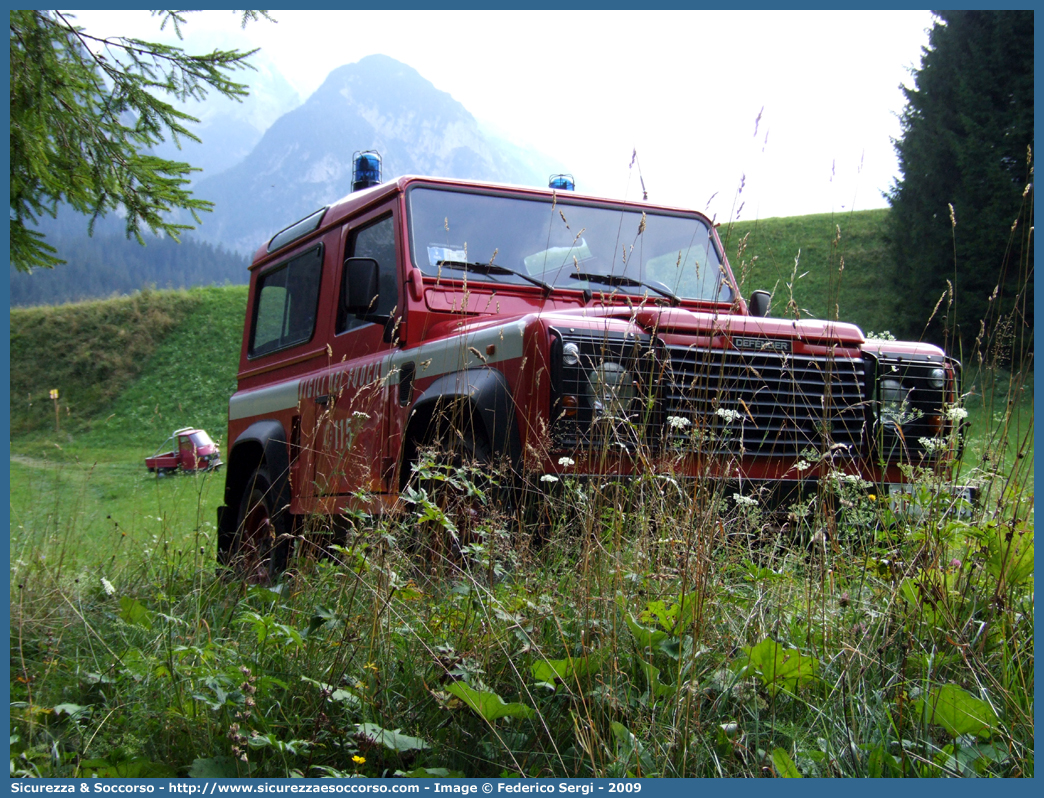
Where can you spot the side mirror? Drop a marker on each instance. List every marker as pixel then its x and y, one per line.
pixel 360 286
pixel 759 303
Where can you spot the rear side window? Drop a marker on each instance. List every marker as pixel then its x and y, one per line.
pixel 285 306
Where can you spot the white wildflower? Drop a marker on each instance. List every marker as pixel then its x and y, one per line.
pixel 549 478
pixel 803 465
pixel 107 586
pixel 678 422
pixel 360 416
pixel 729 415
pixel 566 461
pixel 932 444
pixel 955 413
pixel 744 501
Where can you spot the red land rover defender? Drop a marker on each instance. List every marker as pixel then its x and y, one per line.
pixel 565 333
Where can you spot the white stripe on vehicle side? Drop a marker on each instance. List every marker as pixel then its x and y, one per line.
pixel 462 352
pixel 432 360
pixel 270 399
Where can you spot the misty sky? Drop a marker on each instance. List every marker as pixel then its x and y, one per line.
pixel 795 108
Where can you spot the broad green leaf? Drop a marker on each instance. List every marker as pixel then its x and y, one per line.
pixel 908 590
pixel 776 667
pixel 659 612
pixel 429 773
pixel 1011 555
pixel 292 747
pixel 489 706
pixel 880 763
pixel 135 613
pixel 97 678
pixel 217 767
pixel 756 573
pixel 136 768
pixel 656 688
pixel 784 765
pixel 673 618
pixel 631 753
pixel 392 740
pixel 645 637
pixel 220 695
pixel 72 710
pixel 324 617
pixel 335 693
pixel 958 711
pixel 568 669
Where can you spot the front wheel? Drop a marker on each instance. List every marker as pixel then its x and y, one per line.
pixel 451 490
pixel 260 548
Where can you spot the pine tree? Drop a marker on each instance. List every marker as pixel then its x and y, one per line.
pixel 85 112
pixel 962 212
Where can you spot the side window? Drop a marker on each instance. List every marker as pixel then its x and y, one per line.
pixel 375 241
pixel 285 307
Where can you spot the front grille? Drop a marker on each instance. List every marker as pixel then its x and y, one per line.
pixel 766 403
pixel 760 403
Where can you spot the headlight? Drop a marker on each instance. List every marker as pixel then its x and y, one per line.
pixel 612 388
pixel 570 354
pixel 893 396
pixel 937 378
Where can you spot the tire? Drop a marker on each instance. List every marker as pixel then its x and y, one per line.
pixel 260 548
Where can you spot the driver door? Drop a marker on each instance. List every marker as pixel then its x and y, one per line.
pixel 350 404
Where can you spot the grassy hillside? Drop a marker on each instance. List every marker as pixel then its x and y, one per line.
pixel 128 370
pixel 832 266
pixel 90 352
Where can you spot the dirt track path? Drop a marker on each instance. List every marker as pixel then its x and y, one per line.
pixel 33 462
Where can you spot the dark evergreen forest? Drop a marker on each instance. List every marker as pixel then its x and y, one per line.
pixel 107 264
pixel 962 214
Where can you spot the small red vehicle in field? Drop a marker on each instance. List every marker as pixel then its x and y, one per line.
pixel 192 450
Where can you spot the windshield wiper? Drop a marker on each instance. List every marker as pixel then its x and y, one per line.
pixel 491 268
pixel 620 279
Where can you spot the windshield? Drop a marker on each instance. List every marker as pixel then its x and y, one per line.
pixel 201 439
pixel 566 246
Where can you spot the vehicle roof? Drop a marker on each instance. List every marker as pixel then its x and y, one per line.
pixel 357 201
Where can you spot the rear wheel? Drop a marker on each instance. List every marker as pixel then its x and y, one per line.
pixel 260 547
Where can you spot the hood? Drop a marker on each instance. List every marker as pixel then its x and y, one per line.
pixel 662 320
